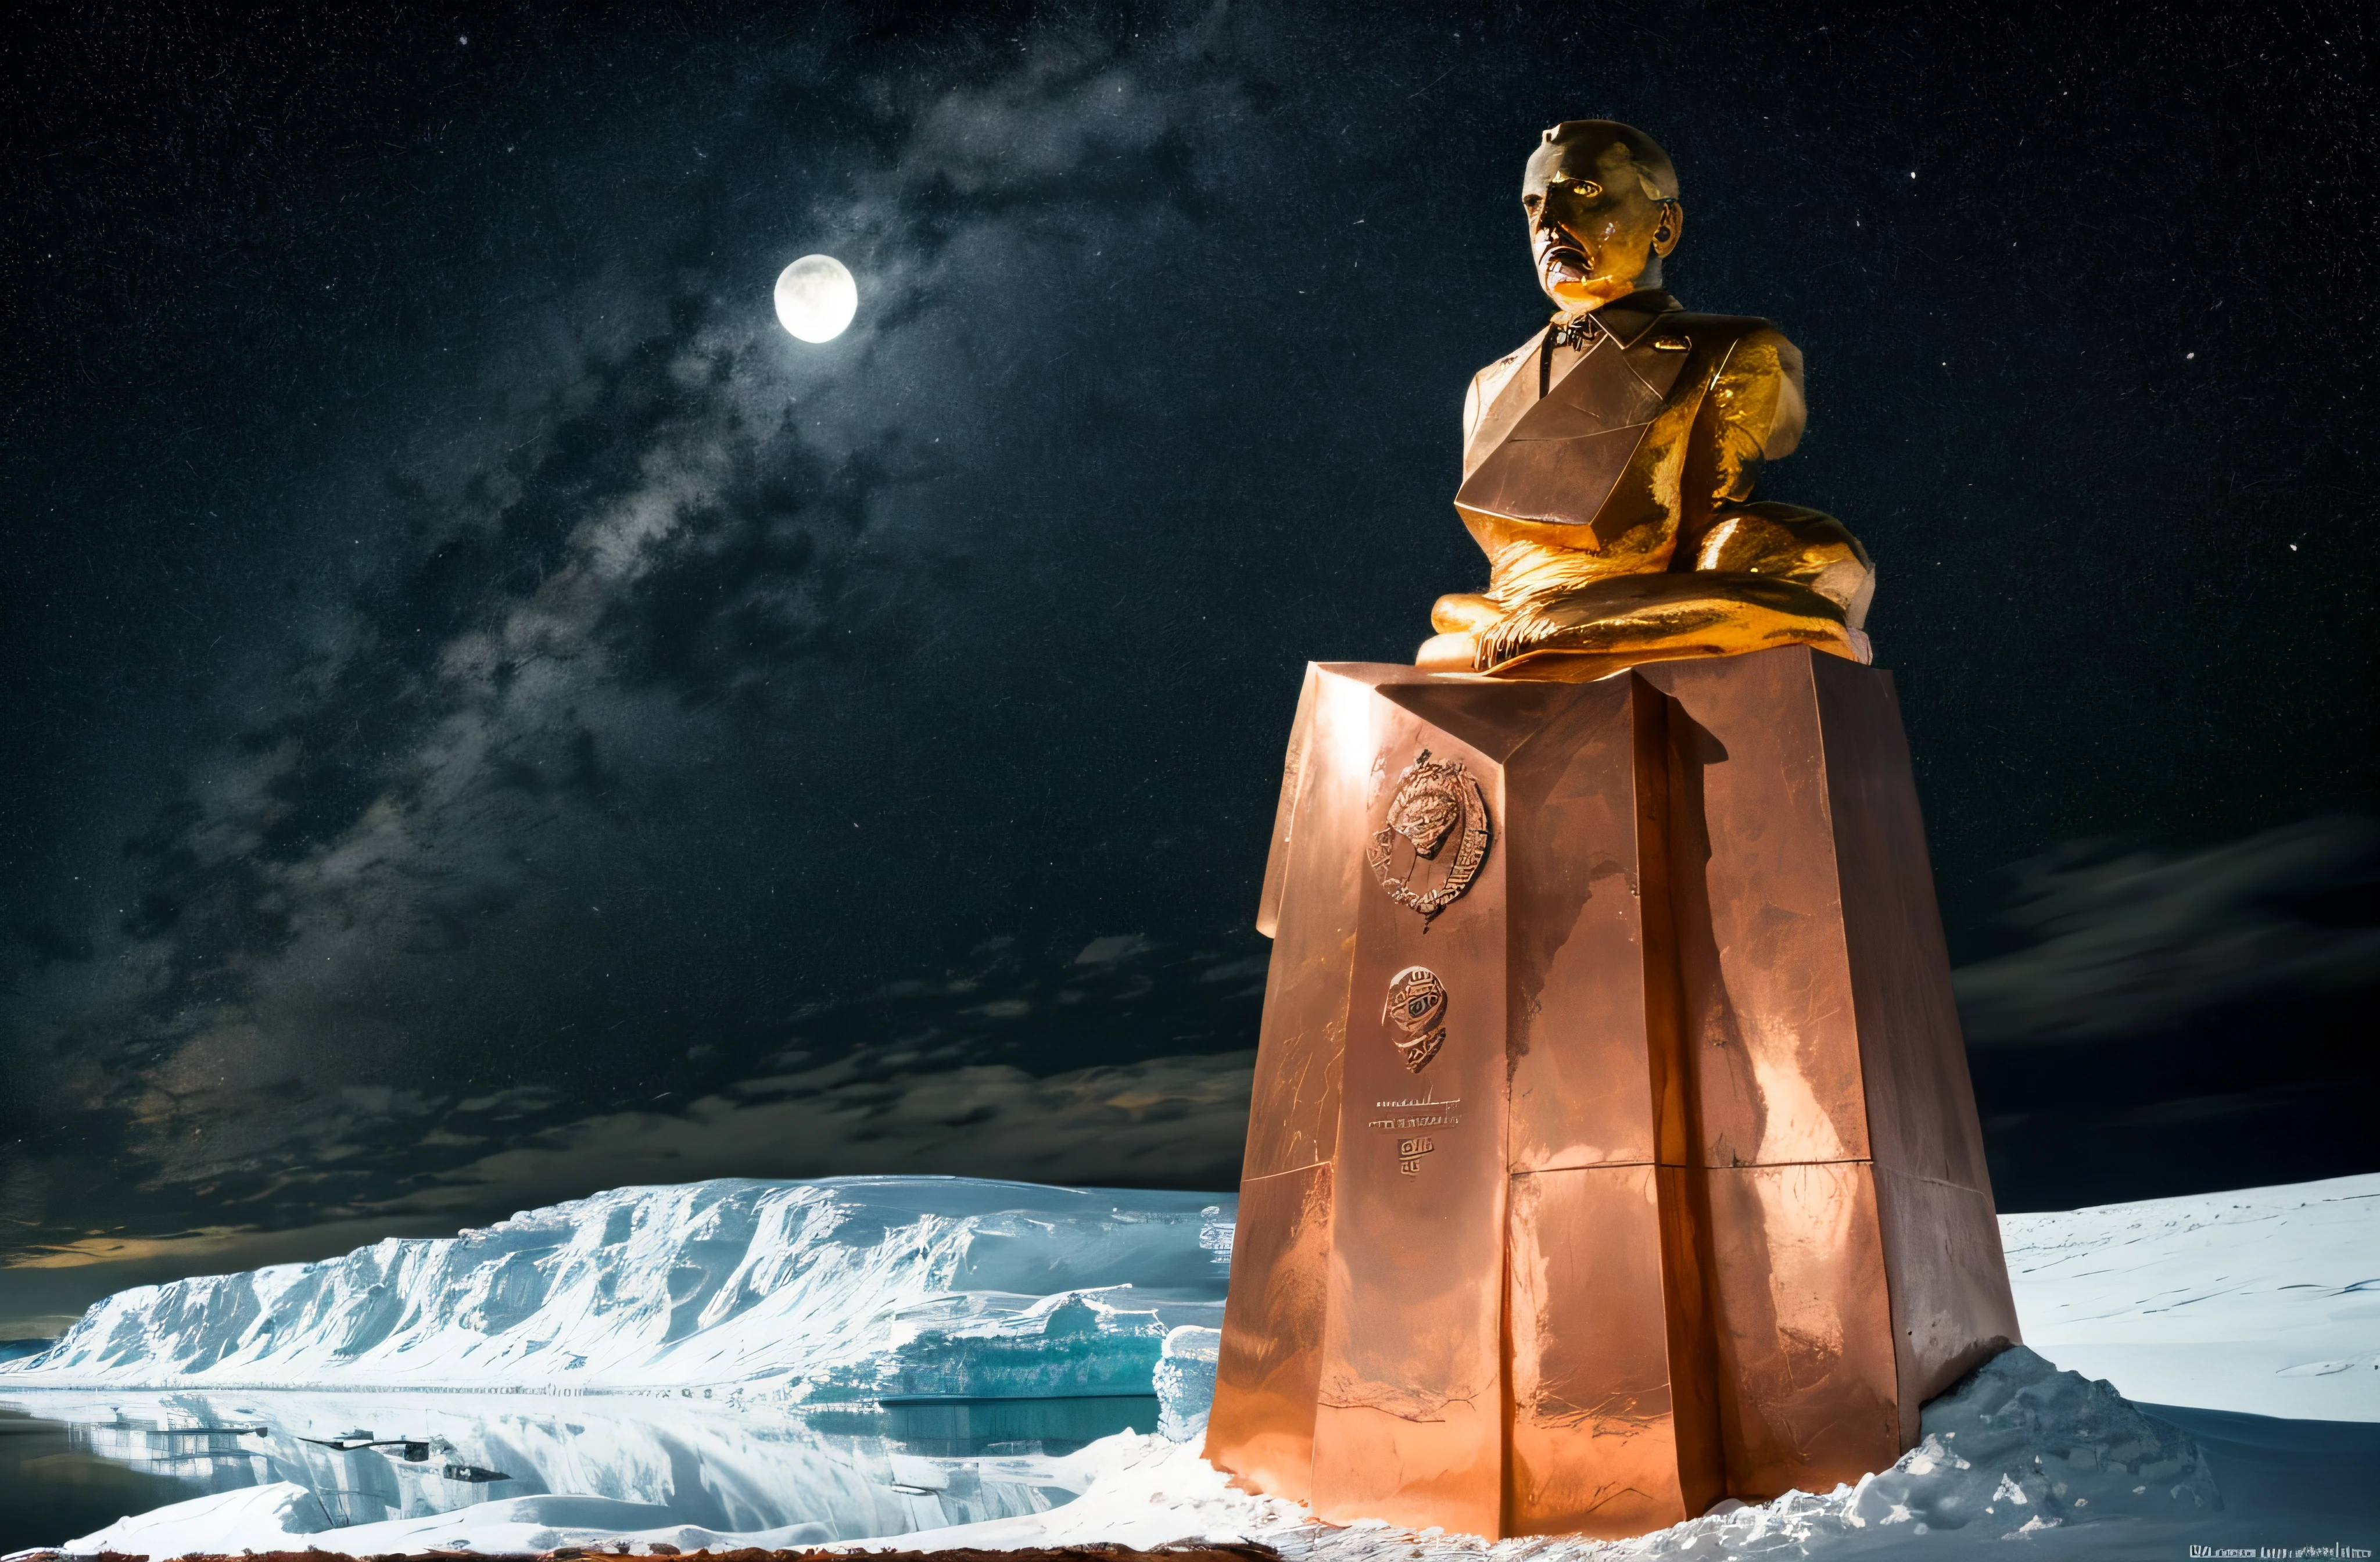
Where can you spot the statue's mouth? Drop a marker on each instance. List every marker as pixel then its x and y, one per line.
pixel 1565 262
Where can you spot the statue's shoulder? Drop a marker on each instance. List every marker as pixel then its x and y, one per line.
pixel 1496 375
pixel 1720 330
pixel 1741 348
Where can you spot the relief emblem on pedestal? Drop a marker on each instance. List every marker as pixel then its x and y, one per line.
pixel 1416 1006
pixel 1434 838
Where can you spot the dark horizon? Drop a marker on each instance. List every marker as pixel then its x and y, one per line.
pixel 491 717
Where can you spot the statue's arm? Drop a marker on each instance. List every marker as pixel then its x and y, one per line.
pixel 1760 415
pixel 1760 412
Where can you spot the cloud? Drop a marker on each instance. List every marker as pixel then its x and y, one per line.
pixel 1166 1122
pixel 45 1288
pixel 572 775
pixel 2122 944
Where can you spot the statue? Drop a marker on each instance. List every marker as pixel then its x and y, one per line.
pixel 1608 462
pixel 1612 1149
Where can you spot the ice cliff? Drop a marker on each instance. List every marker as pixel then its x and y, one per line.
pixel 837 1290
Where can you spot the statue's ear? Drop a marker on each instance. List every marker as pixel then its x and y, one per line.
pixel 1672 226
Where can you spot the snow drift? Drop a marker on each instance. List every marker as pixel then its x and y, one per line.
pixel 839 1290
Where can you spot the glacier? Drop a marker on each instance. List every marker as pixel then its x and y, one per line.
pixel 839 1290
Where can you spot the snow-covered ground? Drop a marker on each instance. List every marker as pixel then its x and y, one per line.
pixel 2244 1302
pixel 2266 1300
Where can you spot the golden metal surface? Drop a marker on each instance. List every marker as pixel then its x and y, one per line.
pixel 1608 462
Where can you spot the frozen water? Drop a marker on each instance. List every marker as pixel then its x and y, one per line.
pixel 712 1466
pixel 271 1517
pixel 1185 1382
pixel 834 1291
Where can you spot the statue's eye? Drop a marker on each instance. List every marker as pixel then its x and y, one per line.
pixel 1585 187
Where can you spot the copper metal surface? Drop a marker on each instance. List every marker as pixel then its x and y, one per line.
pixel 1614 1422
pixel 1410 1422
pixel 1807 1391
pixel 1433 838
pixel 1294 1118
pixel 1608 462
pixel 1769 1009
pixel 1921 1103
pixel 1951 1310
pixel 1262 1424
pixel 1686 1197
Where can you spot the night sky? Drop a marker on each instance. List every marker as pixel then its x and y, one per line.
pixel 485 716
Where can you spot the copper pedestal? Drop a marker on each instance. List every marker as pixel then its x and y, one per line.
pixel 1612 1149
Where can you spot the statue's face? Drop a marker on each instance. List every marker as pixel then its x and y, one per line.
pixel 1597 229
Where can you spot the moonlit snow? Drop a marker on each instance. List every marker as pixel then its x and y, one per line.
pixel 776 1298
pixel 2265 1300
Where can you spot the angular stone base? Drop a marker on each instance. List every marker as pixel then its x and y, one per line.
pixel 1612 1149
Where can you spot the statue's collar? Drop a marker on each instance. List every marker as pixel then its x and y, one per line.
pixel 1628 319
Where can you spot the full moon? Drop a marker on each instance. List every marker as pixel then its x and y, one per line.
pixel 817 298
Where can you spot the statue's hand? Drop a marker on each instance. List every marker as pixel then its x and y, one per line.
pixel 1524 628
pixel 1664 614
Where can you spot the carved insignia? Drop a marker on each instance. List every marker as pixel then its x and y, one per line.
pixel 1434 801
pixel 1416 1006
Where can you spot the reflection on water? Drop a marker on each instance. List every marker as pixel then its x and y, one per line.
pixel 89 1457
pixel 961 1428
pixel 52 1487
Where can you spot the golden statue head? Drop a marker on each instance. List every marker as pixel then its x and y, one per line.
pixel 1602 205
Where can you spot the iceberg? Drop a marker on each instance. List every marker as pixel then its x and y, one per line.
pixel 1185 1382
pixel 841 1290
